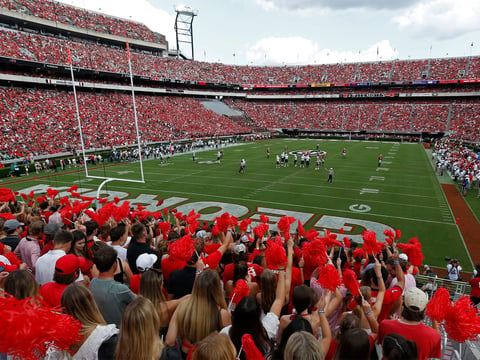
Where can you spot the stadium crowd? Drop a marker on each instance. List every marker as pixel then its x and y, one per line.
pixel 27 45
pixel 39 122
pixel 459 162
pixel 35 122
pixel 148 285
pixel 69 15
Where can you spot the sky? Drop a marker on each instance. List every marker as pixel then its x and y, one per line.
pixel 299 32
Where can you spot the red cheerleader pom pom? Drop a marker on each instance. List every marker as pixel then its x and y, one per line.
pixel 438 305
pixel 182 249
pixel 32 328
pixel 347 242
pixel 164 228
pixel 250 349
pixel 329 277
pixel 244 224
pixel 275 253
pixel 240 291
pixel 350 281
pixel 398 234
pixel 264 219
pixel 301 230
pixel 284 225
pixel 461 321
pixel 260 230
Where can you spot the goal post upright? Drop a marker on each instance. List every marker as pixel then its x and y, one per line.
pixel 80 129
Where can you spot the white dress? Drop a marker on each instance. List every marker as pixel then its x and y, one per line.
pixel 89 349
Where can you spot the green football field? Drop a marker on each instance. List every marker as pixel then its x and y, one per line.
pixel 403 193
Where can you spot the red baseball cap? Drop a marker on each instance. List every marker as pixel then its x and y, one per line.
pixel 67 264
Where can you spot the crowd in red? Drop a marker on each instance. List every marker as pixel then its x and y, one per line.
pixel 38 122
pixel 69 15
pixel 29 46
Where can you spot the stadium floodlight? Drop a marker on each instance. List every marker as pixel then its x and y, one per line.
pixel 184 27
pixel 186 10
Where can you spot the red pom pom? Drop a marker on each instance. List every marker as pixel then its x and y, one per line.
pixel 116 199
pixel 398 234
pixel 160 202
pixel 215 230
pixel 225 221
pixel 461 321
pixel 413 250
pixel 350 281
pixel 311 234
pixel 389 233
pixel 370 244
pixel 264 219
pixel 330 241
pixel 347 242
pixel 250 349
pixel 275 253
pixel 73 188
pixel 240 291
pixel 329 278
pixel 52 193
pixel 284 225
pixel 165 211
pixel 32 328
pixel 301 230
pixel 260 230
pixel 244 224
pixel 438 305
pixel 315 253
pixel 359 252
pixel 164 228
pixel 7 216
pixel 182 249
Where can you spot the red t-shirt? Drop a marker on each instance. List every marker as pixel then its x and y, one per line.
pixel 429 344
pixel 475 283
pixel 52 293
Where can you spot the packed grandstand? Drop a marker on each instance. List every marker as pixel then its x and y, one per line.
pixel 182 100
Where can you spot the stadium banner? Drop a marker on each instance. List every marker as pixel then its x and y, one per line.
pixel 424 82
pixel 448 82
pixel 469 81
pixel 320 85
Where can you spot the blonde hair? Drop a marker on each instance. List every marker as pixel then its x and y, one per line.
pixel 215 347
pixel 78 301
pixel 199 315
pixel 151 283
pixel 303 346
pixel 139 332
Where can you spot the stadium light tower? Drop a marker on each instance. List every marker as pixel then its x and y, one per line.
pixel 184 26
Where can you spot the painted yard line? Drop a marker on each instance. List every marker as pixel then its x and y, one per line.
pixel 290 205
pixel 322 179
pixel 354 200
pixel 176 179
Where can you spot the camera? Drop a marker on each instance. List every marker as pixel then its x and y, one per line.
pixel 448 258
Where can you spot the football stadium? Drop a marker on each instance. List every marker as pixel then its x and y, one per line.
pixel 344 196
